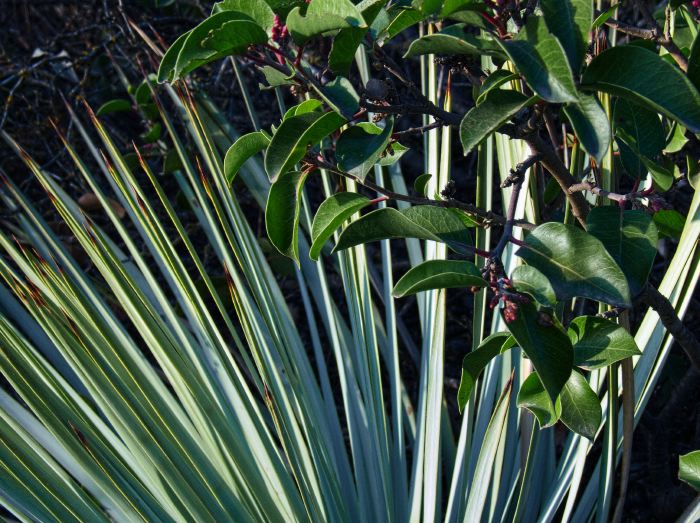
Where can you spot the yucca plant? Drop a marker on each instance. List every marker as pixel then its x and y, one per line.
pixel 139 391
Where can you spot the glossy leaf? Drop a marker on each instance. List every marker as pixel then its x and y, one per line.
pixel 529 280
pixel 166 69
pixel 570 21
pixel 322 16
pixel 576 264
pixel 541 60
pixel 420 184
pixel 222 34
pixel 340 95
pixel 640 75
pixel 494 81
pixel 644 129
pixel 487 117
pixel 114 106
pixel 424 222
pixel 293 137
pixel 474 362
pixel 669 222
pixel 258 10
pixel 453 40
pixel 242 149
pixel 599 342
pixel 282 213
pixel 689 469
pixel 630 237
pixel 330 215
pixel 438 274
pixel 546 344
pixel 591 125
pixel 533 397
pixel 347 40
pixel 580 407
pixel 402 19
pixel 359 147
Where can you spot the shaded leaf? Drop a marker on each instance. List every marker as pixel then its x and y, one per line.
pixel 347 40
pixel 591 125
pixel 359 147
pixel 546 344
pixel 644 129
pixel 294 136
pixel 453 40
pixel 114 106
pixel 330 215
pixel 576 264
pixel 529 280
pixel 282 213
pixel 642 76
pixel 340 95
pixel 438 274
pixel 494 81
pixel 570 21
pixel 533 397
pixel 242 149
pixel 630 237
pixel 420 185
pixel 599 342
pixel 580 407
pixel 669 223
pixel 474 362
pixel 484 119
pixel 541 60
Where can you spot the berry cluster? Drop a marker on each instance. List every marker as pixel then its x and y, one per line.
pixel 503 291
pixel 279 30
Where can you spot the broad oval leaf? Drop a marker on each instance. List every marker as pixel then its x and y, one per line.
pixel 439 274
pixel 546 344
pixel 424 222
pixel 293 137
pixel 493 81
pixel 282 213
pixel 322 16
pixel 529 280
pixel 359 147
pixel 222 34
pixel 347 40
pixel 453 40
pixel 166 69
pixel 330 215
pixel 114 106
pixel 580 407
pixel 420 184
pixel 643 128
pixel 242 149
pixel 258 10
pixel 340 95
pixel 630 237
pixel 599 342
pixel 689 469
pixel 474 362
pixel 533 397
pixel 576 264
pixel 633 72
pixel 591 125
pixel 486 118
pixel 570 21
pixel 541 60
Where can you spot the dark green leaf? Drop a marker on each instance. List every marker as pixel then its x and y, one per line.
pixel 670 223
pixel 420 185
pixel 494 81
pixel 153 134
pixel 403 19
pixel 257 10
pixel 580 407
pixel 533 397
pixel 114 106
pixel 166 69
pixel 640 75
pixel 439 274
pixel 676 140
pixel 359 147
pixel 330 215
pixel 644 129
pixel 599 342
pixel 689 469
pixel 294 136
pixel 542 62
pixel 347 40
pixel 222 34
pixel 591 125
pixel 570 21
pixel 282 213
pixel 245 147
pixel 453 40
pixel 341 96
pixel 546 344
pixel 630 237
pixel 694 63
pixel 425 222
pixel 322 16
pixel 529 280
pixel 484 119
pixel 474 362
pixel 576 264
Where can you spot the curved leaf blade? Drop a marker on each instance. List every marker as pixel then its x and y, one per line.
pixel 689 469
pixel 580 407
pixel 282 213
pixel 570 21
pixel 599 342
pixel 242 149
pixel 439 274
pixel 533 397
pixel 529 280
pixel 330 215
pixel 591 125
pixel 359 147
pixel 453 40
pixel 474 362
